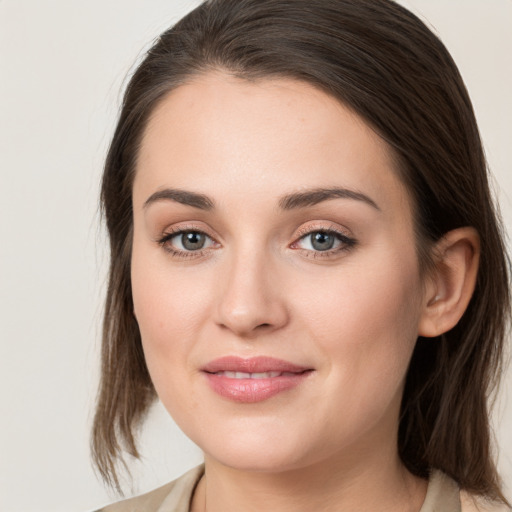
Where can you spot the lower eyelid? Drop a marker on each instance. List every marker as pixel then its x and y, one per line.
pixel 328 254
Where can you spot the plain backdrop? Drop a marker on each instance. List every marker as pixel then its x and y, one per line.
pixel 63 64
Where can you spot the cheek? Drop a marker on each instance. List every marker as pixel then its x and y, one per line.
pixel 166 312
pixel 168 321
pixel 364 326
pixel 365 319
pixel 165 301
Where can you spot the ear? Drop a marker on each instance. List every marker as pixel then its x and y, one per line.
pixel 451 283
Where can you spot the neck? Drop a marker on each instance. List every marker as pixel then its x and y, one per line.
pixel 339 485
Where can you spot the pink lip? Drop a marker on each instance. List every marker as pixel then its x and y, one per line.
pixel 250 390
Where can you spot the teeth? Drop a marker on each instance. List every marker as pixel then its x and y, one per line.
pixel 258 375
pixel 265 375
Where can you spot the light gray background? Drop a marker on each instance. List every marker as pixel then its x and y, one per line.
pixel 62 66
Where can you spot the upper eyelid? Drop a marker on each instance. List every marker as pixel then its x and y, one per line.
pixel 317 226
pixel 172 234
pixel 176 230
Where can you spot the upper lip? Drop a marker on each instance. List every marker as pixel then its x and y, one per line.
pixel 252 365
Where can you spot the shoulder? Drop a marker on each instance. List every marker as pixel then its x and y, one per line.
pixel 471 503
pixel 444 495
pixel 174 496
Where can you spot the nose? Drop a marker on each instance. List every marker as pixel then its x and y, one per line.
pixel 252 298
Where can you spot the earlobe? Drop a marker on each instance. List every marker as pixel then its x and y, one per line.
pixel 452 281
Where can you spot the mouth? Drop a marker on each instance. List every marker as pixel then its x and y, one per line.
pixel 255 379
pixel 256 375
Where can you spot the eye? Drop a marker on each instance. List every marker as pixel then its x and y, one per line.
pixel 320 241
pixel 324 241
pixel 186 241
pixel 190 240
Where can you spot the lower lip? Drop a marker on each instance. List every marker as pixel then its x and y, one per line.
pixel 253 390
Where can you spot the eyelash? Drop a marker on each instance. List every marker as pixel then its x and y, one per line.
pixel 346 243
pixel 178 253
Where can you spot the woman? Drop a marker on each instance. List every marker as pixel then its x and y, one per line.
pixel 306 264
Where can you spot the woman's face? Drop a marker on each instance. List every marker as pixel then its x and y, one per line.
pixel 274 271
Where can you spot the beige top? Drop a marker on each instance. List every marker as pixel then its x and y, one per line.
pixel 443 495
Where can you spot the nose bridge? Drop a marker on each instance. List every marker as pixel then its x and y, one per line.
pixel 250 300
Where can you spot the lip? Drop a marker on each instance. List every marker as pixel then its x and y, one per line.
pixel 257 388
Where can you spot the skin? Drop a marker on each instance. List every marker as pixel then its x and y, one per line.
pixel 259 288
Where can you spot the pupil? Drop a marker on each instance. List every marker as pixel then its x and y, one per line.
pixel 192 241
pixel 322 241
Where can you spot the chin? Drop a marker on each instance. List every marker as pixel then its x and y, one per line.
pixel 255 449
pixel 258 460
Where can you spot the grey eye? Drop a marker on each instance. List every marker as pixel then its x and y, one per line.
pixel 187 242
pixel 322 241
pixel 193 240
pixel 327 241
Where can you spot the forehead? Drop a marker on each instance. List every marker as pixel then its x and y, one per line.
pixel 219 132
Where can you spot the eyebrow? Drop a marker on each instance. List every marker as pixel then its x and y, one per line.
pixel 289 202
pixel 185 197
pixel 318 195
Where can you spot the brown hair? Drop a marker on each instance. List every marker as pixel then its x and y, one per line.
pixel 385 64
